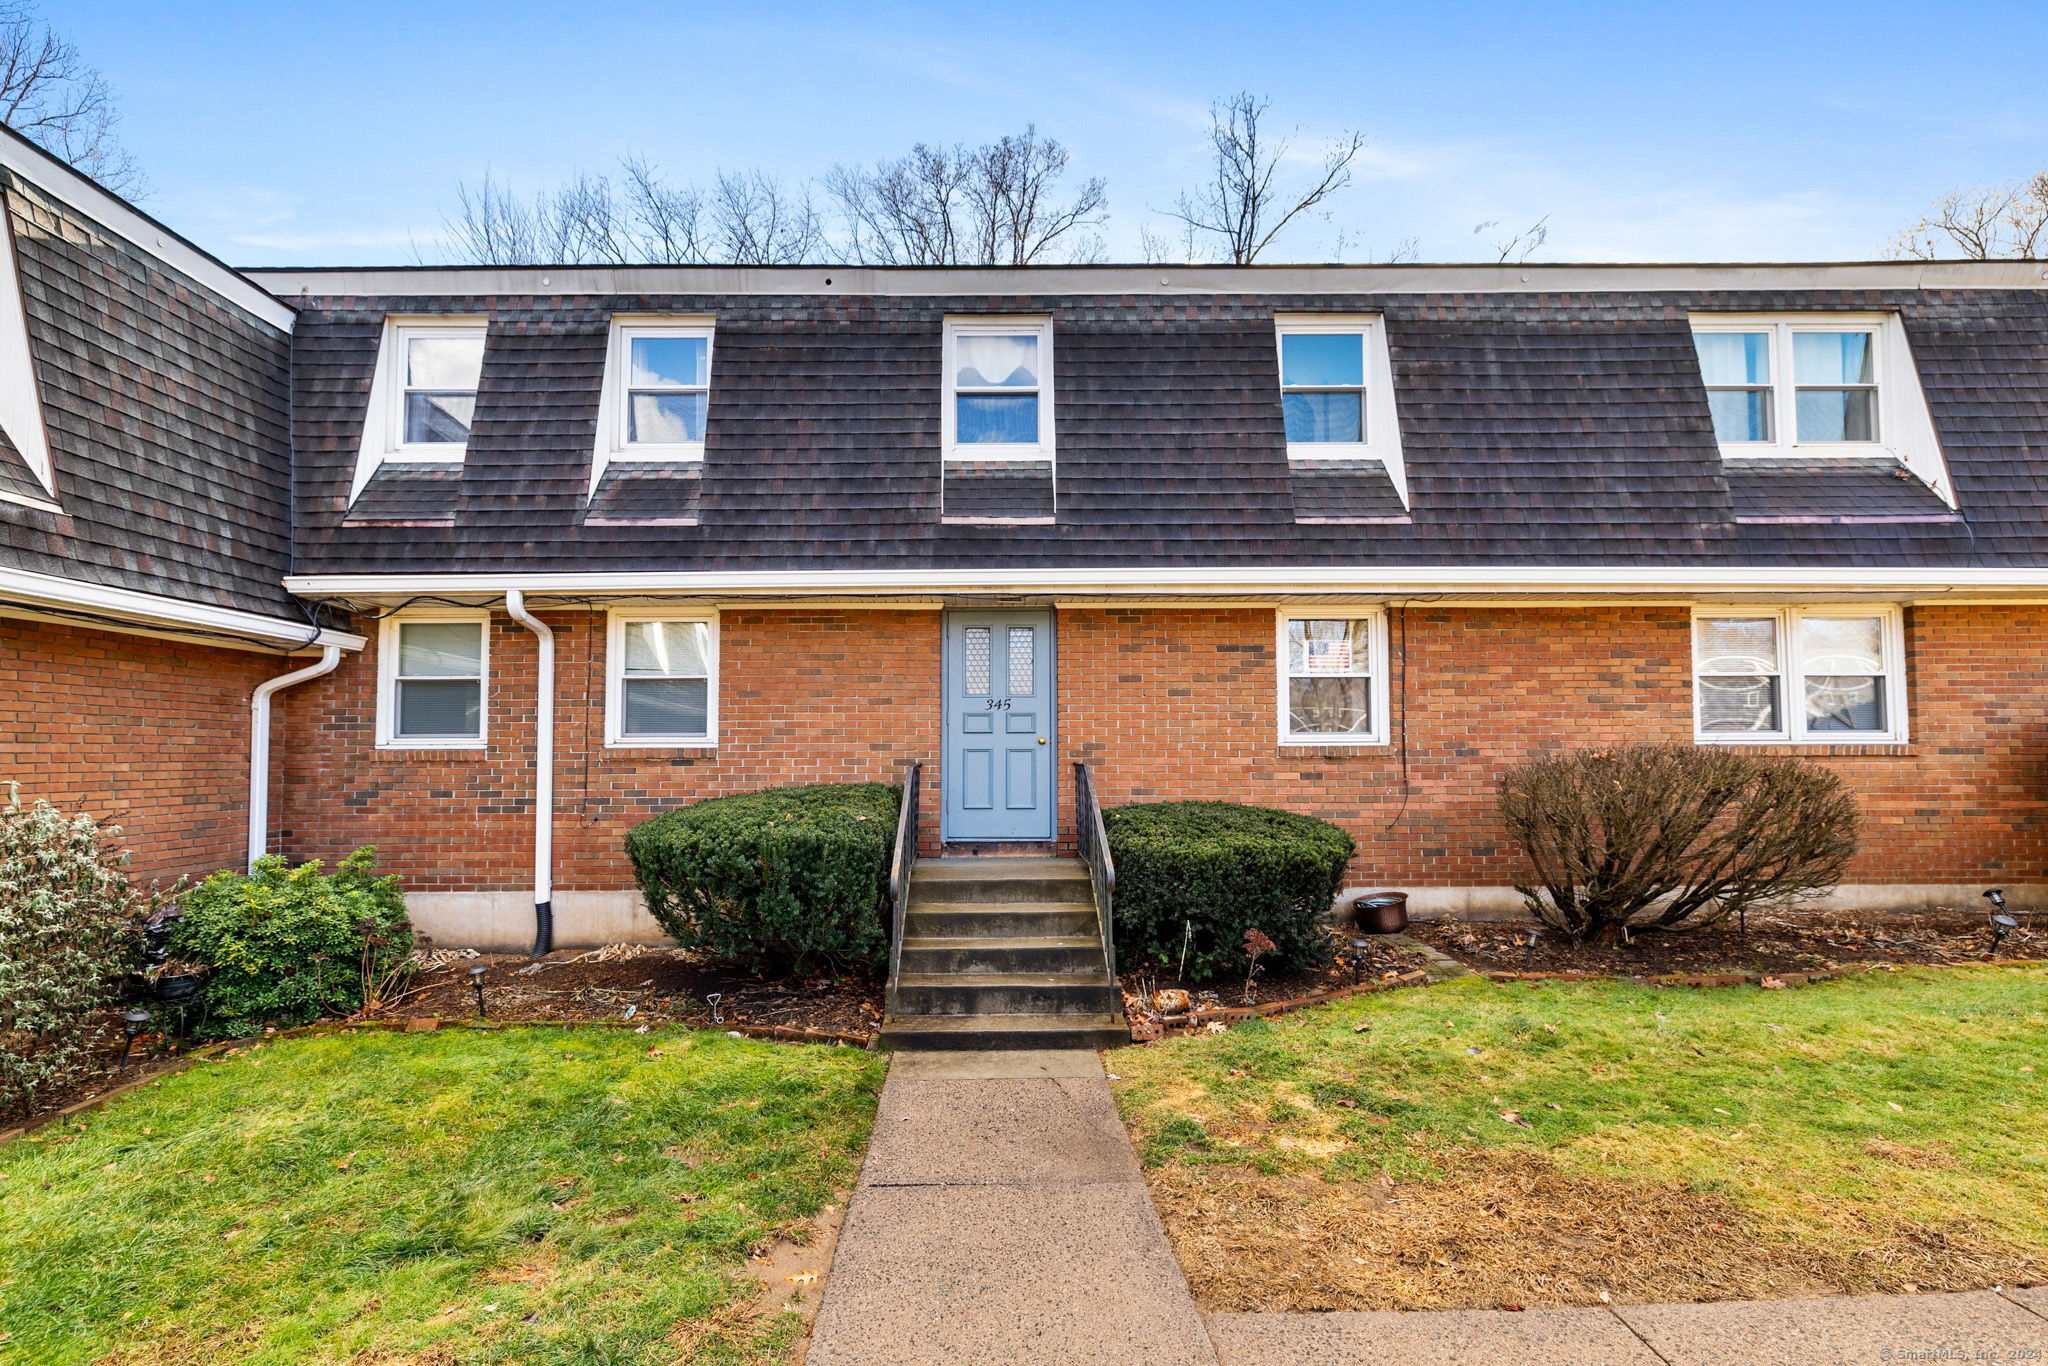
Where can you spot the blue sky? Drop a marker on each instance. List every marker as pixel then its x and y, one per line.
pixel 280 133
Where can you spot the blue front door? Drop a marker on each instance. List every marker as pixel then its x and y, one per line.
pixel 997 768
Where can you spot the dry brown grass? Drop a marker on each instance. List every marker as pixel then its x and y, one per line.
pixel 1510 1227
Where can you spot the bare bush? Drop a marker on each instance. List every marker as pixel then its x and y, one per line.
pixel 1669 837
pixel 1983 223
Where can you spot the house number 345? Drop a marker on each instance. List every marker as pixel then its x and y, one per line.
pixel 999 704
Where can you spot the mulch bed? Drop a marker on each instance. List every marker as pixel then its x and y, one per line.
pixel 657 986
pixel 1383 962
pixel 1789 941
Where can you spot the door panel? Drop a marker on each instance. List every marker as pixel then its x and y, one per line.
pixel 998 775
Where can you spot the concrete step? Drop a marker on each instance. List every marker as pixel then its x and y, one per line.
pixel 932 1032
pixel 1003 953
pixel 1006 993
pixel 1001 880
pixel 999 920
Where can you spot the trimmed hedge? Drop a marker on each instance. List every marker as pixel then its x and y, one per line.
pixel 1225 869
pixel 781 878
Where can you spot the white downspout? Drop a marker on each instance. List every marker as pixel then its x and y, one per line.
pixel 259 745
pixel 543 774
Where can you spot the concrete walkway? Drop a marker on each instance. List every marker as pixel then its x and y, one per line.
pixel 1001 1217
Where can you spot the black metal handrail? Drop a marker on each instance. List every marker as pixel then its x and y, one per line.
pixel 1093 841
pixel 900 863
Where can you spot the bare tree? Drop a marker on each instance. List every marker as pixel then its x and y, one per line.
pixel 754 221
pixel 1243 204
pixel 1984 223
pixel 1517 247
pixel 50 96
pixel 994 205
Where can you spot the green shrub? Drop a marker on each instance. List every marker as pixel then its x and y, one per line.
pixel 286 945
pixel 67 916
pixel 1200 874
pixel 776 878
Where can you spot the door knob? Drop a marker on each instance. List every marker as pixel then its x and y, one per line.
pixel 1041 739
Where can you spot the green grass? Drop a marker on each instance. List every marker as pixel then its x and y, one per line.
pixel 517 1195
pixel 1916 1096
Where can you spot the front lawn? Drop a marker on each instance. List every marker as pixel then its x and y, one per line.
pixel 466 1196
pixel 1482 1145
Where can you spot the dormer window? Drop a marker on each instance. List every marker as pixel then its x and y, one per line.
pixel 657 392
pixel 1337 408
pixel 1817 386
pixel 998 381
pixel 1791 384
pixel 436 372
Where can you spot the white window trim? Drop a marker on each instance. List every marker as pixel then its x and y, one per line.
pixel 1905 430
pixel 615 682
pixel 387 681
pixel 1382 420
pixel 1792 690
pixel 1376 667
pixel 986 325
pixel 21 406
pixel 384 421
pixel 612 424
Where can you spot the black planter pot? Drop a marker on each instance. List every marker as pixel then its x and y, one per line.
pixel 177 990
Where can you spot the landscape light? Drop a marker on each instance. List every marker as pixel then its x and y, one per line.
pixel 1529 953
pixel 476 979
pixel 1355 956
pixel 133 1020
pixel 2001 926
pixel 1996 896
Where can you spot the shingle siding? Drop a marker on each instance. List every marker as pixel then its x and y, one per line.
pixel 1539 429
pixel 165 407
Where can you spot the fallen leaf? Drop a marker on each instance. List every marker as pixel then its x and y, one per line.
pixel 1772 984
pixel 1719 1111
pixel 1896 1106
pixel 802 1278
pixel 340 1166
pixel 1515 1117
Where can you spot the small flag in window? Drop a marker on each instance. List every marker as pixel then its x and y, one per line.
pixel 1329 656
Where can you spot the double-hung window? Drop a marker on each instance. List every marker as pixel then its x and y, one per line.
pixel 998 388
pixel 432 672
pixel 663 680
pixel 1775 385
pixel 434 377
pixel 658 390
pixel 1333 677
pixel 1798 674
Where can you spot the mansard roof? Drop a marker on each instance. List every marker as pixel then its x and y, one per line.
pixel 1549 415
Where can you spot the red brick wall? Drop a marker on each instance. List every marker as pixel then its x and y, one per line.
pixel 804 697
pixel 1172 703
pixel 147 733
pixel 1192 714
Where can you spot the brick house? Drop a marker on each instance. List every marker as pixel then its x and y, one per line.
pixel 1345 540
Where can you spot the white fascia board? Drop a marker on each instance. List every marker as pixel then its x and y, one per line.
pixel 1053 281
pixel 121 218
pixel 1404 581
pixel 154 610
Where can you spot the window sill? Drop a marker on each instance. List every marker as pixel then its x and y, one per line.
pixel 1335 749
pixel 662 746
pixel 407 754
pixel 1815 749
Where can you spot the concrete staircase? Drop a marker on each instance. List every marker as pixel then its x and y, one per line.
pixel 1003 953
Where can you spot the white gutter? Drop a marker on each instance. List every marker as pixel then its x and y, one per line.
pixel 153 610
pixel 259 745
pixel 1406 580
pixel 543 774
